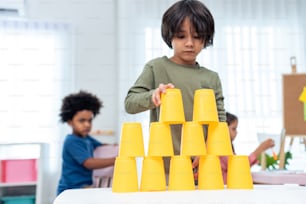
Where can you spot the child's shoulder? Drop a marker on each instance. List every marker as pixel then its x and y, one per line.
pixel 205 69
pixel 71 137
pixel 158 60
pixel 208 73
pixel 161 63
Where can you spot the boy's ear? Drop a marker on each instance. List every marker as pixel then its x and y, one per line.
pixel 69 122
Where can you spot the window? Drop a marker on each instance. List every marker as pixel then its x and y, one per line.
pixel 35 72
pixel 253 43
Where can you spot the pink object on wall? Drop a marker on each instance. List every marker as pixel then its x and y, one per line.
pixel 18 170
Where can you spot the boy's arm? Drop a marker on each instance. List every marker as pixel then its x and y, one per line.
pixel 98 163
pixel 139 97
pixel 138 100
pixel 219 99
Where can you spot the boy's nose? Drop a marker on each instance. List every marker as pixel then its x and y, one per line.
pixel 87 124
pixel 189 41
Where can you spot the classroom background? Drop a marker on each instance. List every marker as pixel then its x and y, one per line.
pixel 51 48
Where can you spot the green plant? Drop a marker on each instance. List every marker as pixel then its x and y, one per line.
pixel 272 163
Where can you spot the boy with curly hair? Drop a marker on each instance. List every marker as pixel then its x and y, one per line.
pixel 78 111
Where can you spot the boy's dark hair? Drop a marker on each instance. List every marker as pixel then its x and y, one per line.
pixel 78 102
pixel 230 118
pixel 199 16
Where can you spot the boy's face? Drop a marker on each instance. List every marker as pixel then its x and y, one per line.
pixel 186 44
pixel 81 123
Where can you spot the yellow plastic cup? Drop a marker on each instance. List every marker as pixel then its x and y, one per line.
pixel 204 106
pixel 239 173
pixel 160 141
pixel 131 141
pixel 218 140
pixel 125 177
pixel 210 173
pixel 181 174
pixel 171 108
pixel 193 142
pixel 153 174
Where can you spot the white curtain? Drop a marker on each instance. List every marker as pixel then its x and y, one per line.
pixel 36 72
pixel 253 43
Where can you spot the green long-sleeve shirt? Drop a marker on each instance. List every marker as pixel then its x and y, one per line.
pixel 186 78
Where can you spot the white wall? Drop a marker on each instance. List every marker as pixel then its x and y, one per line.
pixel 95 48
pixel 302 17
pixel 95 62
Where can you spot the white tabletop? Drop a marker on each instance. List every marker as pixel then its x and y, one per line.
pixel 275 194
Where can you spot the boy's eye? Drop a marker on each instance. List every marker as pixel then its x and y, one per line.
pixel 180 36
pixel 82 120
pixel 85 120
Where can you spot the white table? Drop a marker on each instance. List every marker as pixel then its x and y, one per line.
pixel 274 194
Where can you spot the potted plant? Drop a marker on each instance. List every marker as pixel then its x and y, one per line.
pixel 272 162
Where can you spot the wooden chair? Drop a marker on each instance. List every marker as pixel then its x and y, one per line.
pixel 103 177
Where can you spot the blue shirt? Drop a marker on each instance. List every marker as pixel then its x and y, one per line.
pixel 76 151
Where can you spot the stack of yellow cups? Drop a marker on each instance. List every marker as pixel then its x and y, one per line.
pixel 193 143
pixel 125 177
pixel 160 144
pixel 172 112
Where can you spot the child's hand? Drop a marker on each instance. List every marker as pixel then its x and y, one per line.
pixel 268 143
pixel 158 91
pixel 195 164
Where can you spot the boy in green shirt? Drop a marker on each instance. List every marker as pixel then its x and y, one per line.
pixel 187 28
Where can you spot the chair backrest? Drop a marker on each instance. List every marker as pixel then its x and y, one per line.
pixel 103 177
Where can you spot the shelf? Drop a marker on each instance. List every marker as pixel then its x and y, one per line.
pixel 31 150
pixel 2 185
pixel 18 190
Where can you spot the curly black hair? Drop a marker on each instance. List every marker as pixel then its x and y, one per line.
pixel 77 102
pixel 199 16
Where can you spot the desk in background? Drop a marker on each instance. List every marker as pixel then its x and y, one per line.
pixel 279 177
pixel 266 194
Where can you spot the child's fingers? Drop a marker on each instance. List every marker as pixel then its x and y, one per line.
pixel 195 162
pixel 156 97
pixel 162 88
pixel 195 175
pixel 169 86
